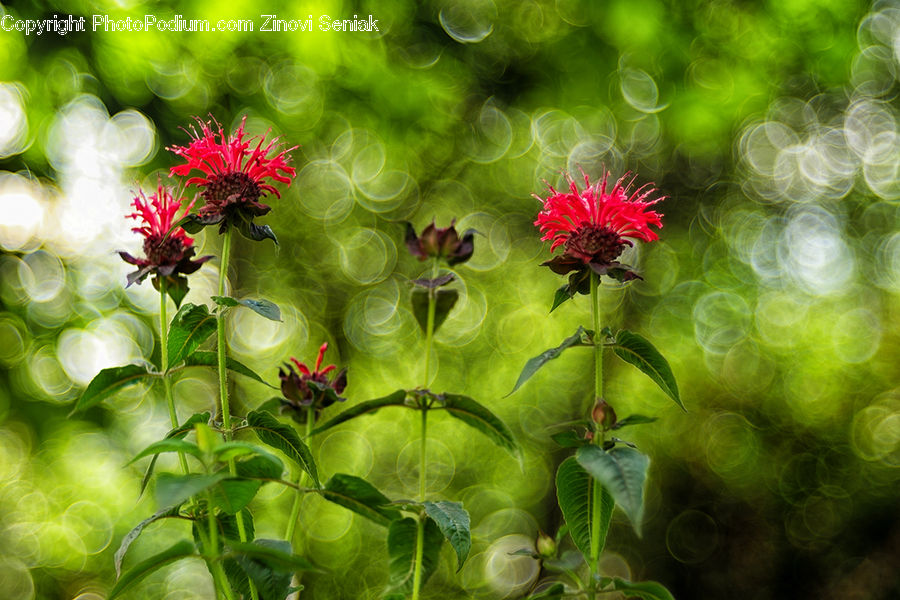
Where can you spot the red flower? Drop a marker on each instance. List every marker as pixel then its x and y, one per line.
pixel 593 225
pixel 167 254
pixel 310 388
pixel 234 175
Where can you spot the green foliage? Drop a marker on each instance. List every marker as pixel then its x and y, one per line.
pixel 135 574
pixel 479 417
pixel 443 303
pixel 645 590
pixel 453 521
pixel 401 544
pixel 191 326
pixel 261 307
pixel 622 472
pixel 272 432
pixel 397 398
pixel 637 350
pixel 202 358
pixel 361 497
pixel 579 338
pixel 574 492
pixel 107 382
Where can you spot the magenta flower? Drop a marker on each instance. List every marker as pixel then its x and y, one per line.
pixel 168 254
pixel 234 174
pixel 593 225
pixel 305 387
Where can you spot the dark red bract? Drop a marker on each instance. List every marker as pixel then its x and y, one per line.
pixel 437 242
pixel 304 388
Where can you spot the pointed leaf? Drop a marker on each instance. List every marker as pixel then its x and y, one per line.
pixel 134 575
pixel 265 308
pixel 633 420
pixel 645 590
pixel 561 295
pixel 261 467
pixel 397 398
pixel 275 553
pixel 444 301
pixel 175 489
pixel 165 513
pixel 554 592
pixel 361 497
pixel 453 521
pixel 575 494
pixel 168 445
pixel 232 495
pixel 475 415
pixel 191 326
pixel 271 582
pixel 107 382
pixel 532 366
pixel 402 552
pixel 622 472
pixel 204 358
pixel 637 350
pixel 569 439
pixel 177 433
pixel 283 437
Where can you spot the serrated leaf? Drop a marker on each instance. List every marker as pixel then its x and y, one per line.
pixel 369 406
pixel 168 445
pixel 531 367
pixel 633 420
pixel 554 592
pixel 444 302
pixel 264 308
pixel 575 494
pixel 272 432
pixel 165 513
pixel 361 497
pixel 134 575
pixel 453 521
pixel 191 326
pixel 177 433
pixel 622 472
pixel 475 415
pixel 107 382
pixel 204 358
pixel 402 553
pixel 645 590
pixel 638 351
pixel 175 489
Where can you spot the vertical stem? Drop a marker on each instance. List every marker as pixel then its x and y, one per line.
pixel 420 525
pixel 596 489
pixel 295 509
pixel 164 363
pixel 221 347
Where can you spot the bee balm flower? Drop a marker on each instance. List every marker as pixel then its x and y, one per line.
pixel 305 387
pixel 593 225
pixel 234 174
pixel 168 255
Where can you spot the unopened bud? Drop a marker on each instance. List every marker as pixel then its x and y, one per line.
pixel 603 414
pixel 546 545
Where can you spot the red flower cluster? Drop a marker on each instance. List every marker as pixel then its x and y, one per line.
pixel 310 387
pixel 234 174
pixel 593 225
pixel 168 254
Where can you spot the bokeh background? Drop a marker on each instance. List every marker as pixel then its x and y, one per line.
pixel 772 127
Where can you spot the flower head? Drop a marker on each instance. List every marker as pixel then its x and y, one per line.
pixel 167 255
pixel 439 242
pixel 593 225
pixel 307 387
pixel 234 173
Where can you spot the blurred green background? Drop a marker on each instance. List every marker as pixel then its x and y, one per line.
pixel 772 128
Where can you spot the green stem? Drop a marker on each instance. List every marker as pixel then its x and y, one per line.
pixel 164 362
pixel 225 407
pixel 420 525
pixel 596 489
pixel 295 509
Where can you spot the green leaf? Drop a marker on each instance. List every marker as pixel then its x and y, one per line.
pixel 622 472
pixel 261 466
pixel 275 553
pixel 633 420
pixel 176 287
pixel 533 364
pixel 165 513
pixel 569 439
pixel 575 494
pixel 252 231
pixel 444 301
pixel 203 358
pixel 645 590
pixel 637 350
pixel 182 549
pixel 561 295
pixel 283 437
pixel 271 582
pixel 231 450
pixel 265 308
pixel 232 494
pixel 191 326
pixel 475 415
pixel 402 553
pixel 453 520
pixel 107 382
pixel 554 592
pixel 168 445
pixel 397 398
pixel 177 433
pixel 175 489
pixel 361 497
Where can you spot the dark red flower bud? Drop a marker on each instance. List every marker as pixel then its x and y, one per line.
pixel 304 387
pixel 443 243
